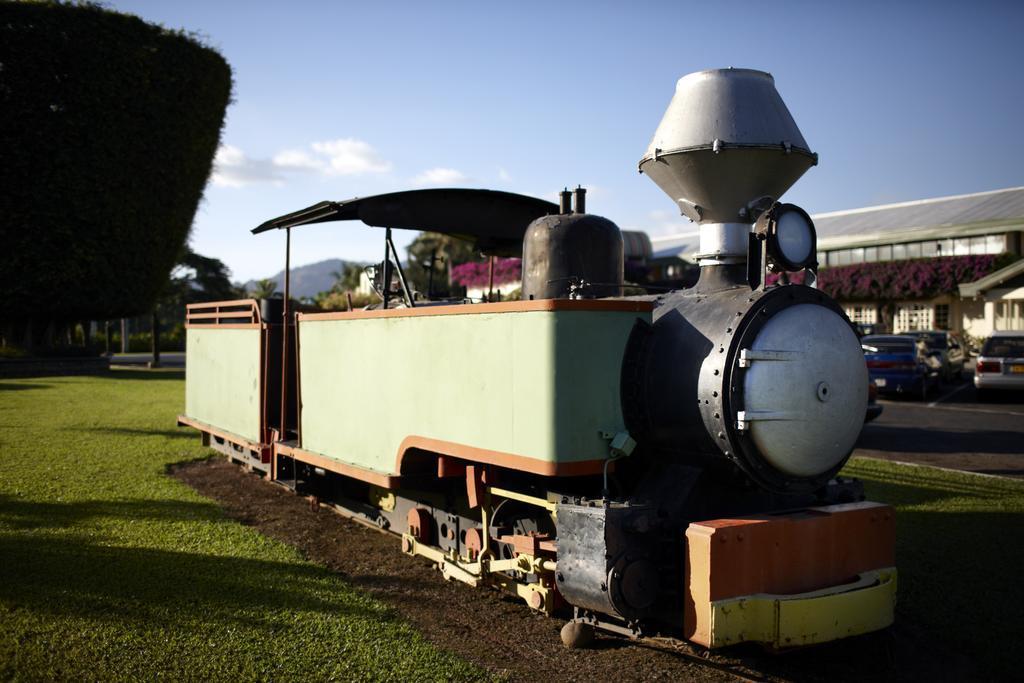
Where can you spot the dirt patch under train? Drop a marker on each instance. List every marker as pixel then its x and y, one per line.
pixel 503 635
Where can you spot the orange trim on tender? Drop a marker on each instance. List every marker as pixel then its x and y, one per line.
pixel 488 457
pixel 186 421
pixel 234 302
pixel 231 326
pixel 608 305
pixel 387 481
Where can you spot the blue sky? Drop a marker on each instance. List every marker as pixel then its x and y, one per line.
pixel 901 100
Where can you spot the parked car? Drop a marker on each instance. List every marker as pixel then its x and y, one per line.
pixel 951 353
pixel 874 407
pixel 1000 365
pixel 901 364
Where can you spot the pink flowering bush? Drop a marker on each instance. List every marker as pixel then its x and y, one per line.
pixel 474 273
pixel 894 280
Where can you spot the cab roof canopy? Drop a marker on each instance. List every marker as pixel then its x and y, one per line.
pixel 493 221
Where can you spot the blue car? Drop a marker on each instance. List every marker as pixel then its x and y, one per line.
pixel 901 364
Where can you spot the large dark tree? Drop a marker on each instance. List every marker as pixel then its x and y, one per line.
pixel 108 127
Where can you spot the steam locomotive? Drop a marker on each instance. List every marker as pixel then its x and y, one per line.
pixel 660 463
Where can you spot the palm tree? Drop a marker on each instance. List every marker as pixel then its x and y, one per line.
pixel 264 289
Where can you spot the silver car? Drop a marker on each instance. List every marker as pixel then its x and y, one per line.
pixel 1001 363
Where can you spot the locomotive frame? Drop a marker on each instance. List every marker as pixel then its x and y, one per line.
pixel 439 496
pixel 665 463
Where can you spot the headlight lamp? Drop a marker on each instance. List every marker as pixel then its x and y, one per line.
pixel 791 240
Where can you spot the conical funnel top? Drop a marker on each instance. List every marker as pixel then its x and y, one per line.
pixel 726 141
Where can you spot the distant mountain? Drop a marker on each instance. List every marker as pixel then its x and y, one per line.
pixel 308 280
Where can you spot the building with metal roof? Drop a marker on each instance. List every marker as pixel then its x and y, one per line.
pixel 962 225
pixel 979 223
pixel 982 223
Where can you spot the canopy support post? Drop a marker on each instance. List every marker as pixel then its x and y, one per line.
pixel 401 273
pixel 285 318
pixel 389 250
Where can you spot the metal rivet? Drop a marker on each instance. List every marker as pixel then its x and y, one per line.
pixel 716 372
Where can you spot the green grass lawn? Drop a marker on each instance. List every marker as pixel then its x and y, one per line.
pixel 960 554
pixel 111 570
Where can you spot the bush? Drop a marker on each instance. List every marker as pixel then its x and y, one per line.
pixel 895 280
pixel 108 127
pixel 477 273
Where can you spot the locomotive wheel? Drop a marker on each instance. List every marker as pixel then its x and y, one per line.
pixel 576 635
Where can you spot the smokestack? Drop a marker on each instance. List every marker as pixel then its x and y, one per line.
pixel 565 201
pixel 580 195
pixel 726 148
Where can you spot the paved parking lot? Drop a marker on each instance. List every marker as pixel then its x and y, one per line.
pixel 951 429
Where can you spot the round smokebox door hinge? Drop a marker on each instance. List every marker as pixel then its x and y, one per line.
pixel 824 392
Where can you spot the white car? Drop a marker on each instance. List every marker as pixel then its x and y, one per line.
pixel 1001 363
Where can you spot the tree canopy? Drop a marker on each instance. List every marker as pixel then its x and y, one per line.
pixel 108 127
pixel 446 251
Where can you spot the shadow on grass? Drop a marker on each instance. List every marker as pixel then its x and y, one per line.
pixel 70 576
pixel 179 433
pixel 21 386
pixel 19 514
pixel 157 374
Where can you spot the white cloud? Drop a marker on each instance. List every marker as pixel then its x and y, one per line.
pixel 232 168
pixel 440 176
pixel 298 159
pixel 344 156
pixel 348 156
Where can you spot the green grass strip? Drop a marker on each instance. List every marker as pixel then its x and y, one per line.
pixel 110 570
pixel 960 554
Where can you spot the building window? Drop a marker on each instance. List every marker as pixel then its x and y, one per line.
pixel 995 244
pixel 962 246
pixel 870 254
pixel 942 316
pixel 929 249
pixel 865 314
pixel 914 250
pixel 857 255
pixel 912 317
pixel 899 252
pixel 1010 315
pixel 885 252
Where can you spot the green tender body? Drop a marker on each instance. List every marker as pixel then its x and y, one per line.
pixel 539 384
pixel 222 379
